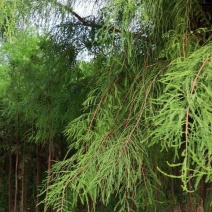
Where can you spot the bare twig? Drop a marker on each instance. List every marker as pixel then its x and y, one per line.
pixel 84 21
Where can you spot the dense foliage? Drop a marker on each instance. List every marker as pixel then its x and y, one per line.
pixel 129 130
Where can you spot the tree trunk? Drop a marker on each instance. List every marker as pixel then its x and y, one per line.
pixel 23 176
pixel 102 207
pixel 10 183
pixel 16 179
pixel 38 179
pixel 49 167
pixel 16 167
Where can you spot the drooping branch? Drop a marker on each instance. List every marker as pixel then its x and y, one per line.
pixel 83 21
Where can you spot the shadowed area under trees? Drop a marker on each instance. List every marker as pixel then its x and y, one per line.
pixel 128 130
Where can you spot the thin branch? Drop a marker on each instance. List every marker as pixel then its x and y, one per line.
pixel 83 20
pixel 198 73
pixel 100 102
pixel 188 109
pixel 186 137
pixel 141 113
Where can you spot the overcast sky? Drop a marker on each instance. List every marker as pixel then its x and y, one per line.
pixel 84 10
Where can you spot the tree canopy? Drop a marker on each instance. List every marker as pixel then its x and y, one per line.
pixel 128 130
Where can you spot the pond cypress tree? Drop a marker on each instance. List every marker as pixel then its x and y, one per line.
pixel 144 120
pixel 144 139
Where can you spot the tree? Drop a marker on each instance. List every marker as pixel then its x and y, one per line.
pixel 38 82
pixel 146 125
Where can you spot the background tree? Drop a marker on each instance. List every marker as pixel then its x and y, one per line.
pixel 40 82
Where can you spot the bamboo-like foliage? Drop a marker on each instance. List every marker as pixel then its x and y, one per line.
pixel 39 83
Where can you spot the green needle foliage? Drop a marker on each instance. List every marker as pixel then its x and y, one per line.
pixel 146 97
pixel 143 139
pixel 183 122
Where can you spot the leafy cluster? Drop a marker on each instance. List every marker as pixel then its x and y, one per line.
pixel 143 138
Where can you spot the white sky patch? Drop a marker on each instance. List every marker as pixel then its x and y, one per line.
pixel 85 9
pixel 82 8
